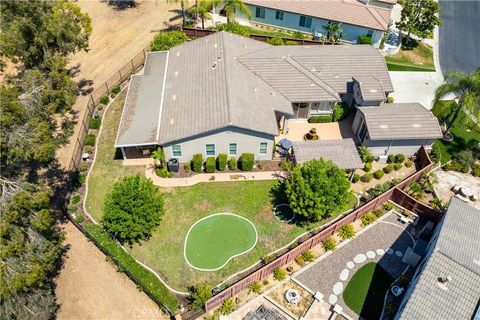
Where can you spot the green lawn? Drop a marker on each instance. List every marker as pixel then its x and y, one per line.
pixel 211 242
pixel 365 292
pixel 417 57
pixel 464 134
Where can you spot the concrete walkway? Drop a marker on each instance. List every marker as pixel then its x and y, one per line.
pixel 203 177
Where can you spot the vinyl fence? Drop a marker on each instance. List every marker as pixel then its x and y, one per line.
pixel 395 194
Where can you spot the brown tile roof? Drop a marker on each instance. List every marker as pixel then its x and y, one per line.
pixel 346 11
pixel 371 88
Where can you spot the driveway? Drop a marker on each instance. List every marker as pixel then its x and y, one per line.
pixel 459 35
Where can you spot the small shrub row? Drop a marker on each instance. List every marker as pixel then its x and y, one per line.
pixel 247 161
pixel 320 119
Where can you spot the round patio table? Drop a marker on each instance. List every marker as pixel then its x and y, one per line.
pixel 467 192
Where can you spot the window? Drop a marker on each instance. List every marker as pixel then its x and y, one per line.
pixel 279 15
pixel 362 132
pixel 210 150
pixel 263 147
pixel 320 107
pixel 260 13
pixel 232 149
pixel 370 33
pixel 176 150
pixel 305 22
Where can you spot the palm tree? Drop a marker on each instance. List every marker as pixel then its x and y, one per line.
pixel 334 31
pixel 233 6
pixel 204 10
pixel 466 88
pixel 159 155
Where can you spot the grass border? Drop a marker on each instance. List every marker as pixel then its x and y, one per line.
pixel 392 66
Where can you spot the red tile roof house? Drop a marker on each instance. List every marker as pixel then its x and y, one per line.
pixel 366 17
pixel 229 94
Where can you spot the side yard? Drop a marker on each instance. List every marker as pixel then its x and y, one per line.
pixel 415 57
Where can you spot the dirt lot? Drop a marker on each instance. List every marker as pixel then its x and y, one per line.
pixel 118 35
pixel 89 287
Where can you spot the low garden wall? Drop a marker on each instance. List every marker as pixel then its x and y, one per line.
pixel 394 194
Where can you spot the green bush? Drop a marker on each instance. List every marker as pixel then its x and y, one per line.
pixel 79 218
pixel 367 177
pixel 389 168
pixel 116 90
pixel 346 232
pixel 90 140
pixel 165 40
pixel 368 218
pixel 365 154
pixel 276 41
pixel 399 158
pixel 408 163
pixel 200 295
pixel 365 39
pixel 104 100
pixel 94 123
pixel 227 307
pixel 255 287
pixel 391 158
pixel 378 212
pixel 464 158
pixel 210 165
pixel 387 206
pixel 397 166
pixel 247 161
pixel 197 163
pixel 234 27
pixel 279 274
pixel 436 154
pixel 457 166
pixel 390 100
pixel 300 261
pixel 163 172
pixel 378 174
pixel 222 161
pixel 340 111
pixel 320 119
pixel 146 280
pixel 308 256
pixel 476 170
pixel 356 178
pixel 82 178
pixel 329 244
pixel 367 167
pixel 291 43
pixel 232 163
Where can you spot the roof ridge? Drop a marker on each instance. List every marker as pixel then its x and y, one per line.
pixel 291 60
pixel 227 88
pixel 376 15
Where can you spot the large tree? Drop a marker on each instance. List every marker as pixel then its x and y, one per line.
pixel 419 17
pixel 466 89
pixel 235 6
pixel 132 209
pixel 316 189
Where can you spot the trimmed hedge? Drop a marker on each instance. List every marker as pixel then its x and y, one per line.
pixel 94 123
pixel 397 166
pixel 222 161
pixel 146 280
pixel 365 39
pixel 104 100
pixel 210 165
pixel 367 177
pixel 247 161
pixel 378 174
pixel 197 163
pixel 90 140
pixel 320 119
pixel 232 163
pixel 367 167
pixel 340 111
pixel 389 168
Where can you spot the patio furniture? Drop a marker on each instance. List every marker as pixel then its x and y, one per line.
pixel 466 191
pixel 404 219
pixel 285 147
pixel 456 188
pixel 85 156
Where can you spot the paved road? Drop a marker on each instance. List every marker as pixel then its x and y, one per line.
pixel 460 35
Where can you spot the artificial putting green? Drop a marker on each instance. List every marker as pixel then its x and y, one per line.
pixel 214 240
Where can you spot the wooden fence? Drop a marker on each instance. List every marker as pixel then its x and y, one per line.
pixel 395 194
pixel 120 78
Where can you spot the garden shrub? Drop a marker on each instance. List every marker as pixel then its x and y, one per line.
pixel 389 168
pixel 90 140
pixel 163 172
pixel 308 255
pixel 276 41
pixel 387 206
pixel 82 178
pixel 367 167
pixel 104 100
pixel 234 27
pixel 464 158
pixel 340 111
pixel 365 39
pixel 197 163
pixel 378 212
pixel 247 161
pixel 116 90
pixel 367 177
pixel 291 43
pixel 365 154
pixel 356 178
pixel 476 170
pixel 435 154
pixel 368 218
pixel 397 166
pixel 329 244
pixel 346 232
pixel 94 123
pixel 408 163
pixel 200 295
pixel 255 287
pixel 279 274
pixel 146 280
pixel 391 158
pixel 457 166
pixel 84 165
pixel 320 119
pixel 399 158
pixel 232 163
pixel 88 149
pixel 210 165
pixel 390 100
pixel 378 174
pixel 166 40
pixel 227 307
pixel 79 218
pixel 300 261
pixel 222 161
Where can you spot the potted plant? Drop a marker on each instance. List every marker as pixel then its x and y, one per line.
pixel 311 135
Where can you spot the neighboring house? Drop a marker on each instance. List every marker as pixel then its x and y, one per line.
pixel 357 17
pixel 393 128
pixel 446 285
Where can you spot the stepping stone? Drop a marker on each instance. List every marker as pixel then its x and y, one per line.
pixel 344 274
pixel 350 265
pixel 380 252
pixel 370 254
pixel 360 258
pixel 390 251
pixel 332 299
pixel 398 253
pixel 338 288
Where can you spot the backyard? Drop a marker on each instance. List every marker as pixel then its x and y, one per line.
pixel 184 206
pixel 415 57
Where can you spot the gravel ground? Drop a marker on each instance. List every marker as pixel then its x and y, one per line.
pixel 448 179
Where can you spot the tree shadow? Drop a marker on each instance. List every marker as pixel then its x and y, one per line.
pixel 121 4
pixel 410 44
pixel 380 284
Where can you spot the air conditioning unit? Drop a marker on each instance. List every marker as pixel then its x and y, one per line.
pixel 382 159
